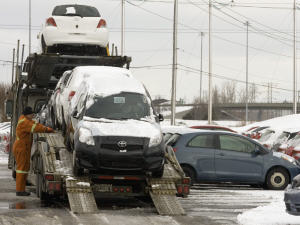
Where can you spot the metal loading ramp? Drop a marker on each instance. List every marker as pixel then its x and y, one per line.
pixel 81 197
pixel 163 193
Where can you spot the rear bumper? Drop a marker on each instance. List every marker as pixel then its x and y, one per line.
pixel 53 36
pixel 101 159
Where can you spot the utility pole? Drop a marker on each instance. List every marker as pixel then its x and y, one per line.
pixel 122 28
pixel 209 68
pixel 201 60
pixel 13 67
pixel 247 61
pixel 29 40
pixel 295 65
pixel 174 66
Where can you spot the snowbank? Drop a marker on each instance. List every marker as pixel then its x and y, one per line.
pixel 272 214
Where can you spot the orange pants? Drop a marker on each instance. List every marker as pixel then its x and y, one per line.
pixel 23 164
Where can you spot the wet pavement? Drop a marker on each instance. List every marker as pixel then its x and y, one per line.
pixel 207 205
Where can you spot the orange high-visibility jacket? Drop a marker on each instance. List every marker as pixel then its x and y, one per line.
pixel 24 131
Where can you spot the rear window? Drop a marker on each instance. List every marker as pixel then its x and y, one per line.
pixel 75 10
pixel 173 140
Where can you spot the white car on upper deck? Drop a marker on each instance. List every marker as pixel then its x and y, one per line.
pixel 72 26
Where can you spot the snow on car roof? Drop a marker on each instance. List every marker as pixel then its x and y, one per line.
pixel 105 81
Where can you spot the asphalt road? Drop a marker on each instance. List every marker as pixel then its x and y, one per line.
pixel 207 205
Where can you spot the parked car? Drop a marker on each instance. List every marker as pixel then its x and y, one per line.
pixel 213 127
pixel 112 126
pixel 282 140
pixel 292 197
pixel 272 137
pixel 75 29
pixel 219 156
pixel 247 133
pixel 289 147
pixel 257 132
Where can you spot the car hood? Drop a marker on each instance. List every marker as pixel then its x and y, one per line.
pixel 284 157
pixel 134 128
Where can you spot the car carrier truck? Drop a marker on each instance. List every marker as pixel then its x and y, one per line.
pixel 51 162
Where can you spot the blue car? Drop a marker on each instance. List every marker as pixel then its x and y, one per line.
pixel 220 156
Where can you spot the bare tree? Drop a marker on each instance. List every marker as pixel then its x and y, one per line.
pixel 4 94
pixel 228 92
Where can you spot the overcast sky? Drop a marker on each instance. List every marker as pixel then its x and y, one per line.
pixel 148 40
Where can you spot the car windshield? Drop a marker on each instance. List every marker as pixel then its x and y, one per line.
pixel 295 141
pixel 119 106
pixel 75 10
pixel 266 135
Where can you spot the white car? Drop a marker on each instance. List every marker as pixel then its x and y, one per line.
pixel 72 81
pixel 56 100
pixel 72 27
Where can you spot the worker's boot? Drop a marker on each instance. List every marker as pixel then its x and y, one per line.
pixel 22 193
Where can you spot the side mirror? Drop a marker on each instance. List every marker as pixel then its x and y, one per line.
pixel 8 108
pixel 257 150
pixel 160 117
pixel 75 114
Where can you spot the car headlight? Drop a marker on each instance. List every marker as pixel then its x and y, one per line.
pixel 85 136
pixel 290 159
pixel 156 140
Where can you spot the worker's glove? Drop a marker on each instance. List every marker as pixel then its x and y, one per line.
pixel 49 130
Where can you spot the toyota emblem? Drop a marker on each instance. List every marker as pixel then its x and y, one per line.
pixel 122 144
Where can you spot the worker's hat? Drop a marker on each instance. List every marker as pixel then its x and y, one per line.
pixel 28 111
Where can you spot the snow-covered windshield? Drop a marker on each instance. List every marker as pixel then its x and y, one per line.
pixel 119 106
pixel 295 141
pixel 266 135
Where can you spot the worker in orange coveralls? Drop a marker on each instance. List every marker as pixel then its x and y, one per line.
pixel 22 147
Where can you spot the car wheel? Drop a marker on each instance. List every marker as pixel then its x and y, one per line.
pixel 189 172
pixel 43 43
pixel 277 179
pixel 158 173
pixel 40 182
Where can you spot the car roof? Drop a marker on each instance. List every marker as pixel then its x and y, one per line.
pixel 212 126
pixel 191 130
pixel 106 80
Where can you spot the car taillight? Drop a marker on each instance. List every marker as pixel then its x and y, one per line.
pixel 101 24
pixel 72 93
pixel 51 22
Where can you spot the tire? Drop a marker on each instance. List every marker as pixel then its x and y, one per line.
pixel 43 45
pixel 158 173
pixel 13 171
pixel 77 171
pixel 189 172
pixel 40 182
pixel 277 179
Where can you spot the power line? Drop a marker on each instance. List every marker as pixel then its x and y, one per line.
pixel 197 71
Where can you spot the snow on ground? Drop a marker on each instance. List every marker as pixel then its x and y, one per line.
pixel 3 157
pixel 271 214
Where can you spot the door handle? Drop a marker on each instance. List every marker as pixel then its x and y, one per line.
pixel 221 154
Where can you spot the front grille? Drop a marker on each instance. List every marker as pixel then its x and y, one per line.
pixel 117 148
